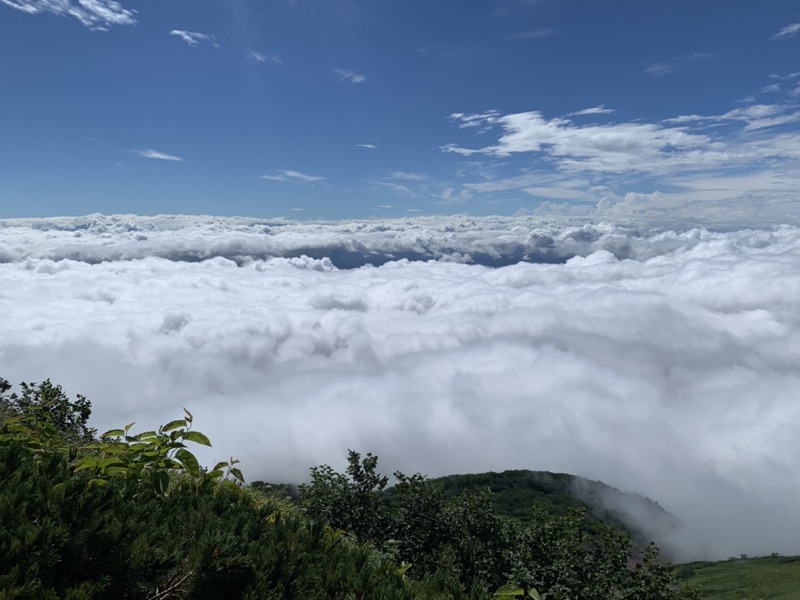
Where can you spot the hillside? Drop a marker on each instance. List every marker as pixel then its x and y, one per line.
pixel 516 493
pixel 768 578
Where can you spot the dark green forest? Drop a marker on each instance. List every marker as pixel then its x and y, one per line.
pixel 127 514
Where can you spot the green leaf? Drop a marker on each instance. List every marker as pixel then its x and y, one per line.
pixel 220 465
pixel 188 460
pixel 189 416
pixel 57 492
pixel 109 462
pixel 509 591
pixel 146 435
pixel 173 425
pixel 197 437
pixel 128 426
pixel 216 474
pixel 99 482
pixel 237 474
pixel 114 433
pixel 160 481
pixel 86 462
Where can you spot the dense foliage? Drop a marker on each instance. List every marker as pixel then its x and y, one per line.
pixel 418 523
pixel 133 515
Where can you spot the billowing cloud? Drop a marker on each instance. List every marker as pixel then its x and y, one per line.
pixel 788 31
pixel 194 38
pixel 94 14
pixel 155 154
pixel 284 175
pixel 660 361
pixel 350 76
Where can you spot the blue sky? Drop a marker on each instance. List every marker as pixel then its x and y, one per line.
pixel 358 108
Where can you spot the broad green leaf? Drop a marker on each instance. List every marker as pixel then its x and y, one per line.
pixel 97 481
pixel 197 437
pixel 57 492
pixel 188 460
pixel 146 435
pixel 509 591
pixel 109 462
pixel 173 425
pixel 114 433
pixel 216 474
pixel 86 462
pixel 220 465
pixel 129 425
pixel 237 474
pixel 160 481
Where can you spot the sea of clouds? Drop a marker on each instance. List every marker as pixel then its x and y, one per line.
pixel 661 362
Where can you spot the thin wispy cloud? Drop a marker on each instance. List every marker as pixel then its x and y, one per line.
pixel 194 38
pixel 266 58
pixel 94 14
pixel 296 176
pixel 676 64
pixel 660 69
pixel 595 110
pixel 785 32
pixel 531 35
pixel 156 155
pixel 350 76
pixel 409 176
pixel 369 146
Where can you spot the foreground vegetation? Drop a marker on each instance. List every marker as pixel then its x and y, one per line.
pixel 133 515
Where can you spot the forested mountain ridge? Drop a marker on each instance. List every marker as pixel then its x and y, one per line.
pixel 515 493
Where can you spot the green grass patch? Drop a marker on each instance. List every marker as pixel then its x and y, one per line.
pixel 767 578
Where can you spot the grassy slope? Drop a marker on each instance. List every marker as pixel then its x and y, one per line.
pixel 769 578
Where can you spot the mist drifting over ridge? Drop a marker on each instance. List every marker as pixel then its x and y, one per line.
pixel 664 362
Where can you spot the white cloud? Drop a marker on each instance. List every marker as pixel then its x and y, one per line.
pixel 660 69
pixel 284 175
pixel 595 110
pixel 663 362
pixel 194 38
pixel 788 31
pixel 94 14
pixel 681 143
pixel 607 147
pixel 674 65
pixel 535 34
pixel 368 146
pixel 409 176
pixel 351 76
pixel 266 58
pixel 155 154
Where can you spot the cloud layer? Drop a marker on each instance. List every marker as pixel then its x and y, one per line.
pixel 665 363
